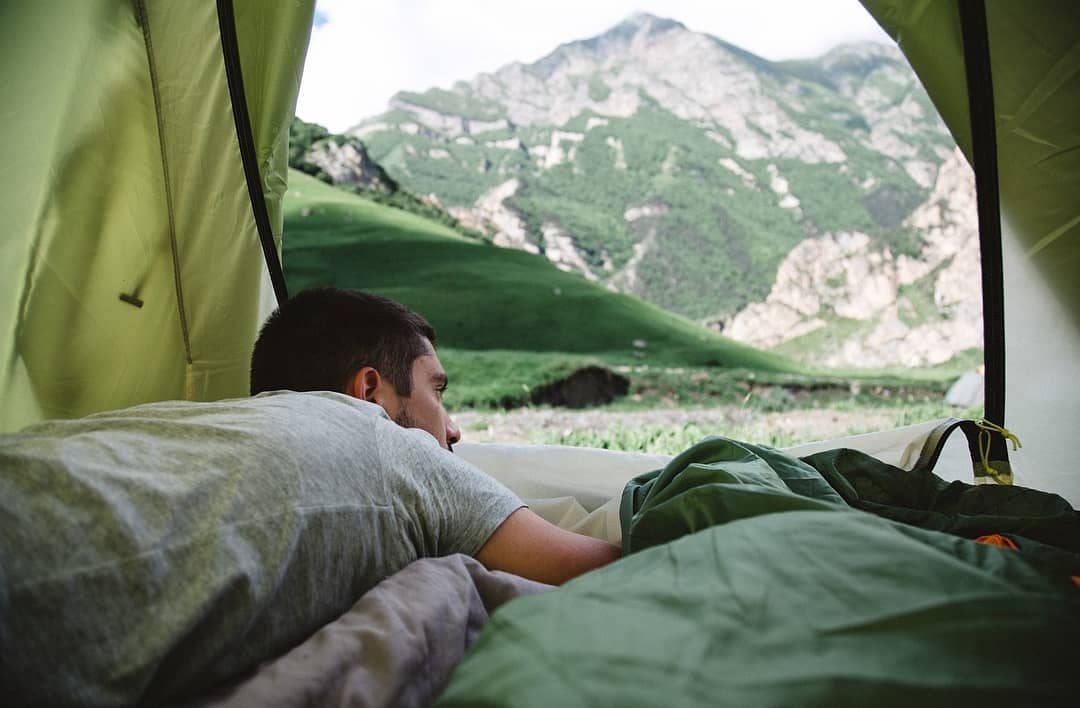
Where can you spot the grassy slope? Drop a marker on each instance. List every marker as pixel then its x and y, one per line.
pixel 481 297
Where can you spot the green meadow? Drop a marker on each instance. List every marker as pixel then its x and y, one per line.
pixel 480 297
pixel 509 322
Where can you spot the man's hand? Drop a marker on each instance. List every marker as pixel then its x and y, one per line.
pixel 533 548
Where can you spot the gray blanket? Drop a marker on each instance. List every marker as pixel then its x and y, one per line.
pixel 396 647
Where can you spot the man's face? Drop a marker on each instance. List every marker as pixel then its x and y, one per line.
pixel 423 408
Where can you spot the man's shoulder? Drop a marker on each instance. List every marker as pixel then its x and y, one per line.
pixel 329 401
pixel 265 417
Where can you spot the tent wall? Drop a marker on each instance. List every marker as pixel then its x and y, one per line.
pixel 123 176
pixel 1035 61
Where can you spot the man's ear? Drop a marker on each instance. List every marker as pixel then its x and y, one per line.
pixel 364 384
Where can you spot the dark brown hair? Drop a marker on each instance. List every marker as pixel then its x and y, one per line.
pixel 319 338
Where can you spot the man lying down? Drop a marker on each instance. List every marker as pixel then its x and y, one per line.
pixel 150 552
pixel 377 351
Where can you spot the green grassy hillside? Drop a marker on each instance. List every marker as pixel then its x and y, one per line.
pixel 480 297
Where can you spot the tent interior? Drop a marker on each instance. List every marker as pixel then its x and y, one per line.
pixel 143 189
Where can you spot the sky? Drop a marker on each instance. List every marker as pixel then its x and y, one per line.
pixel 364 51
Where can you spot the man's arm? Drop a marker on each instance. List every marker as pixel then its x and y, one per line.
pixel 526 545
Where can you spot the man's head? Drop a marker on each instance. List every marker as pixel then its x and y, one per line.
pixel 364 345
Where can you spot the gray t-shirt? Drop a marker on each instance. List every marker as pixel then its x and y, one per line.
pixel 152 551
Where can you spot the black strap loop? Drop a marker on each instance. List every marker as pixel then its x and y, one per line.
pixel 935 443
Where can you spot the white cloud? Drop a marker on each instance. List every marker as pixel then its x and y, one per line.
pixel 366 51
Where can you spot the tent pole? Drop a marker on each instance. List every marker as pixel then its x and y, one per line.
pixel 973 29
pixel 231 53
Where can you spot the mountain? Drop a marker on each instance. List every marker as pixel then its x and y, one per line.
pixel 675 166
pixel 850 303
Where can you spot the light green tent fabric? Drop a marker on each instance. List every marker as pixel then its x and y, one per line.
pixel 1035 61
pixel 122 174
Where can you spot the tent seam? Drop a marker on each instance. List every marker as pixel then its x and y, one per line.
pixel 1052 236
pixel 140 9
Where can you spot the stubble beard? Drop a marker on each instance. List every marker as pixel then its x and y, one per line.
pixel 405 420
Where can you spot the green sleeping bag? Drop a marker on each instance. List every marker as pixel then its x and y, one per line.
pixel 774 597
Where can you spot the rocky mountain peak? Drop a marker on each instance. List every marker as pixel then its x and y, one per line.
pixel 637 28
pixel 639 155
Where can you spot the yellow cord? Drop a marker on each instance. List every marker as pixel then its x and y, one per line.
pixel 985 430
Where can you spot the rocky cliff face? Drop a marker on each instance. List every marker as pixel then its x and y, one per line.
pixel 779 201
pixel 346 161
pixel 908 310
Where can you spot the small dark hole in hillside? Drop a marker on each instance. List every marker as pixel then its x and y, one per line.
pixel 590 386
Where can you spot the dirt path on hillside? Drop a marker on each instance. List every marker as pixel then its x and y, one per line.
pixel 531 425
